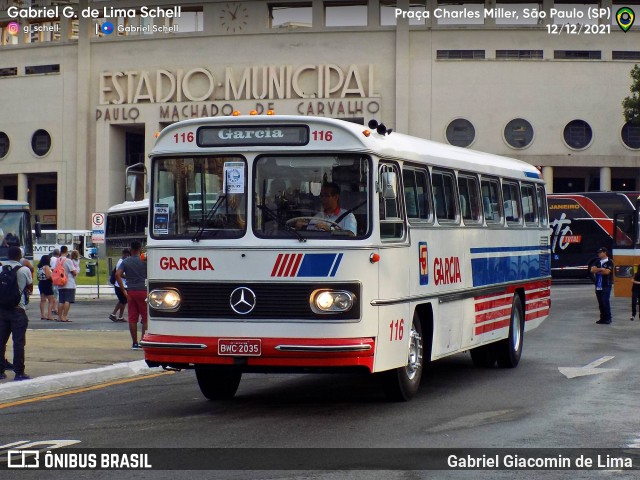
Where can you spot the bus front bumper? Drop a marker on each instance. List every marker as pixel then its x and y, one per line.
pixel 259 354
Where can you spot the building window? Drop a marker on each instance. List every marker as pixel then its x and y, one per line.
pixel 461 133
pixel 625 55
pixel 10 192
pixel 8 72
pixel 519 54
pixel 4 144
pixel 518 133
pixel 41 69
pixel 41 142
pixel 294 15
pixel 578 134
pixel 577 54
pixel 350 14
pixel 630 136
pixel 460 55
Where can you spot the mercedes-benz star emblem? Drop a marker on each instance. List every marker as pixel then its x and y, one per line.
pixel 242 300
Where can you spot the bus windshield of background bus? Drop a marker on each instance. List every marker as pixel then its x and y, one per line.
pixel 187 188
pixel 288 195
pixel 13 233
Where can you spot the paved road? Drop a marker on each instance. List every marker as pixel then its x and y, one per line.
pixel 458 406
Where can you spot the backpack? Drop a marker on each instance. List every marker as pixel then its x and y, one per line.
pixel 9 290
pixel 112 277
pixel 58 275
pixel 41 274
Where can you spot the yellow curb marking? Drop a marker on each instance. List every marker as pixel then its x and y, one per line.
pixel 80 390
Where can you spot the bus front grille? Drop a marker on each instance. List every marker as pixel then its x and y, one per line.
pixel 273 301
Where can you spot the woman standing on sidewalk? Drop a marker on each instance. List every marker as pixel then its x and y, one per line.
pixel 45 286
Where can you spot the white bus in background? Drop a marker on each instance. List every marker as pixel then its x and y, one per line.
pixel 447 251
pixel 79 240
pixel 126 222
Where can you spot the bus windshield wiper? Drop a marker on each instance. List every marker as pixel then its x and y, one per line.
pixel 281 222
pixel 207 219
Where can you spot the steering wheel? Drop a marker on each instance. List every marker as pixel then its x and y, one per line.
pixel 292 221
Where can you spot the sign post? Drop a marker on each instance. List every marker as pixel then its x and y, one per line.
pixel 98 225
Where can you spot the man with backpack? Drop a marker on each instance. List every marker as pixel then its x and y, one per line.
pixel 122 300
pixel 64 276
pixel 16 283
pixel 135 271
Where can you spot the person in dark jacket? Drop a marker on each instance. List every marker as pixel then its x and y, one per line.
pixel 603 272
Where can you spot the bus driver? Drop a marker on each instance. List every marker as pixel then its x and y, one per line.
pixel 331 212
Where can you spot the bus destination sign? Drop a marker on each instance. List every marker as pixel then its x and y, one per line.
pixel 253 135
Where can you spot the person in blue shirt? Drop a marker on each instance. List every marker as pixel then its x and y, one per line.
pixel 603 272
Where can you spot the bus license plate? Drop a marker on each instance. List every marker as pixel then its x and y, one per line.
pixel 242 347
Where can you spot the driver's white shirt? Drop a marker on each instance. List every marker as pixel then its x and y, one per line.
pixel 347 223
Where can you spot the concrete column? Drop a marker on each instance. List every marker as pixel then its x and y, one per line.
pixel 431 6
pixel 402 67
pixel 373 13
pixel 605 179
pixel 488 21
pixel 547 176
pixel 317 12
pixel 607 4
pixel 23 188
pixel 78 201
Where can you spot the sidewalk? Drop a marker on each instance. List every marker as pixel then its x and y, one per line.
pixel 87 291
pixel 88 351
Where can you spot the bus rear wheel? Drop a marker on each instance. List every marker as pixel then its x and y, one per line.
pixel 218 383
pixel 401 384
pixel 509 350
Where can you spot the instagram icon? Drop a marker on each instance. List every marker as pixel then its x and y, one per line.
pixel 13 28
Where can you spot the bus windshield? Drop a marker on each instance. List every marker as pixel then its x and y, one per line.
pixel 320 196
pixel 188 188
pixel 14 232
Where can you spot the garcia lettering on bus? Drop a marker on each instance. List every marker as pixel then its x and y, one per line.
pixel 231 133
pixel 446 270
pixel 185 263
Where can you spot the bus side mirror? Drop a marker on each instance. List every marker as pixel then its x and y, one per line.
pixel 38 227
pixel 388 183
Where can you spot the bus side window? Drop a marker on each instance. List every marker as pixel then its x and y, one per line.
pixel 491 201
pixel 416 194
pixel 543 213
pixel 469 199
pixel 444 196
pixel 511 194
pixel 529 205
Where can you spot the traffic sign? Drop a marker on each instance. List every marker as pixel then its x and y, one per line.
pixel 97 227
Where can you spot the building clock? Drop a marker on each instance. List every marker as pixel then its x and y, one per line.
pixel 233 17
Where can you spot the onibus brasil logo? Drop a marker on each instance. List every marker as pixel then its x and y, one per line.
pixel 625 17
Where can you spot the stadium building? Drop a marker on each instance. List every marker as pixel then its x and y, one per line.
pixel 85 85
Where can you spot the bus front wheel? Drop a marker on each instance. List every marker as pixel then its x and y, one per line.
pixel 401 384
pixel 509 350
pixel 218 383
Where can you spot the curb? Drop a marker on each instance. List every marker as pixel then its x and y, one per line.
pixel 82 378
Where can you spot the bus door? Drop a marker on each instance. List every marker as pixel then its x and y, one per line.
pixel 394 319
pixel 625 252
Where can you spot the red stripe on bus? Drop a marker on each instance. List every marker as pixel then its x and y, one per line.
pixel 297 264
pixel 283 264
pixel 490 327
pixel 538 314
pixel 594 211
pixel 540 294
pixel 498 302
pixel 275 267
pixel 543 302
pixel 485 317
pixel 287 270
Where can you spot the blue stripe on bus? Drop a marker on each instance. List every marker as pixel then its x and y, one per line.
pixel 336 265
pixel 316 264
pixel 492 270
pixel 532 174
pixel 509 249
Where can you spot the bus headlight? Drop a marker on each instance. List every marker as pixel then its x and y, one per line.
pixel 167 300
pixel 331 301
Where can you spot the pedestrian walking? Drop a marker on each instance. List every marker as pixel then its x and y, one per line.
pixel 603 271
pixel 122 300
pixel 16 285
pixel 135 271
pixel 67 293
pixel 45 286
pixel 54 259
pixel 635 293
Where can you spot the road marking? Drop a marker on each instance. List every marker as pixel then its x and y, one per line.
pixel 590 369
pixel 80 390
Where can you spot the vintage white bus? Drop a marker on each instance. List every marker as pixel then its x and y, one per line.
pixel 50 240
pixel 126 222
pixel 433 250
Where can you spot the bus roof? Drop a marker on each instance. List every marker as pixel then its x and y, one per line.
pixel 13 205
pixel 394 145
pixel 130 206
